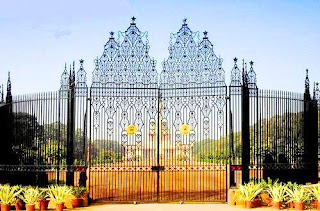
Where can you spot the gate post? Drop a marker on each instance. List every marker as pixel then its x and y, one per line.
pixel 245 140
pixel 310 133
pixel 70 128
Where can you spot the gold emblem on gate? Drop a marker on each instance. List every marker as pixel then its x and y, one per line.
pixel 131 130
pixel 185 129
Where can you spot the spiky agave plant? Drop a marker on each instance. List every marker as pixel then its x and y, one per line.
pixel 298 194
pixel 8 194
pixel 58 194
pixel 277 191
pixel 248 191
pixel 315 191
pixel 30 195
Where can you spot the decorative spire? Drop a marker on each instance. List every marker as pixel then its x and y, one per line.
pixel 316 93
pixel 81 75
pixel 64 82
pixel 307 83
pixel 244 72
pixel 9 95
pixel 235 74
pixel 251 76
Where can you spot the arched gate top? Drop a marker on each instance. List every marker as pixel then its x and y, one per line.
pixel 125 62
pixel 191 61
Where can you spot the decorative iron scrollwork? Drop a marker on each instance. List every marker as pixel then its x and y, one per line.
pixel 236 74
pixel 81 82
pixel 191 62
pixel 126 63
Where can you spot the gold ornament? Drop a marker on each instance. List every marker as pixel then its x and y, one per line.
pixel 131 130
pixel 185 129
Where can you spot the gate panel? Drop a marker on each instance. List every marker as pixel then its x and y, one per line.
pixel 193 144
pixel 123 144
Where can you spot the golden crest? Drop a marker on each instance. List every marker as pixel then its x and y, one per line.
pixel 131 130
pixel 185 129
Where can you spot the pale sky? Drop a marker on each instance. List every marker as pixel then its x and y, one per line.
pixel 38 37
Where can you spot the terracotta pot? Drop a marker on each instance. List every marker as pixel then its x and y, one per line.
pixel 269 201
pixel 76 202
pixel 277 205
pixel 5 207
pixel 85 198
pixel 299 205
pixel 248 204
pixel 257 202
pixel 231 198
pixel 60 207
pixel 20 205
pixel 317 204
pixel 43 204
pixel 30 207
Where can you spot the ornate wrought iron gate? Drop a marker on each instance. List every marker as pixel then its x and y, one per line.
pixel 154 140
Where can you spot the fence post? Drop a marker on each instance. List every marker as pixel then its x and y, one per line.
pixel 245 140
pixel 310 130
pixel 70 128
pixel 6 126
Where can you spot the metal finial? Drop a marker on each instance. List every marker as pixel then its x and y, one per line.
pixel 81 61
pixel 133 19
pixel 111 34
pixel 184 21
pixel 205 33
pixel 235 59
pixel 251 63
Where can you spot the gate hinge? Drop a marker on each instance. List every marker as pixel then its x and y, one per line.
pixel 157 168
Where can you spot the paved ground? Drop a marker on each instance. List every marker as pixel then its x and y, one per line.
pixel 169 207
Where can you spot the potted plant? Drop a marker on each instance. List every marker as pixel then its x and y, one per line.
pixel 59 194
pixel 264 195
pixel 77 192
pixel 298 195
pixel 8 195
pixel 43 201
pixel 248 193
pixel 277 192
pixel 291 186
pixel 30 195
pixel 315 192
